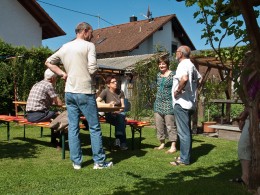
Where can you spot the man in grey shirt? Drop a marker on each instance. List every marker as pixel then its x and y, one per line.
pixel 79 60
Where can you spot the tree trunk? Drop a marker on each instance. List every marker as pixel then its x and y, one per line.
pixel 253 106
pixel 254 175
pixel 253 32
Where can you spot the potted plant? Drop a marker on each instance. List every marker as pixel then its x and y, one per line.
pixel 206 124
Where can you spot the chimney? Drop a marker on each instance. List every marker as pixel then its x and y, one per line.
pixel 133 18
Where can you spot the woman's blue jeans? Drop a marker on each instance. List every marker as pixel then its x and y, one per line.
pixel 77 104
pixel 183 123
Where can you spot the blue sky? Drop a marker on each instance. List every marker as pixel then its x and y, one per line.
pixel 118 12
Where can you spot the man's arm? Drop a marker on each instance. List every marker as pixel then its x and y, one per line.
pixel 92 60
pixel 183 81
pixel 53 67
pixel 56 69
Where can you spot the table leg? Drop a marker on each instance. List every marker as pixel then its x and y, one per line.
pixel 140 132
pixel 133 136
pixel 41 131
pixel 23 131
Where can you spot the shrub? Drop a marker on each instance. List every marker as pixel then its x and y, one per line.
pixel 21 68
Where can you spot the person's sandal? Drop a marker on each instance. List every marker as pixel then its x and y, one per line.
pixel 177 163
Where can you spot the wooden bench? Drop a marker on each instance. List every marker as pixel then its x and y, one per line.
pixel 136 127
pixel 6 119
pixel 226 131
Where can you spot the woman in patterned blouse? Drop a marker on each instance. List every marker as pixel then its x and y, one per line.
pixel 163 110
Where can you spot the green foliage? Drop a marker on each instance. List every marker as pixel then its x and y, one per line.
pixel 219 16
pixel 222 19
pixel 213 112
pixel 213 90
pixel 236 109
pixel 144 115
pixel 216 90
pixel 144 87
pixel 21 68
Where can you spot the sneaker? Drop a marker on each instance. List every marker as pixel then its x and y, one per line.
pixel 103 165
pixel 117 143
pixel 76 167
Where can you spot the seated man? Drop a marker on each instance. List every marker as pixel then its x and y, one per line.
pixel 41 97
pixel 115 96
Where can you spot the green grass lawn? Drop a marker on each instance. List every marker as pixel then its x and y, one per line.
pixel 31 166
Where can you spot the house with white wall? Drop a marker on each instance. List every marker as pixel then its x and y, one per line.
pixel 25 23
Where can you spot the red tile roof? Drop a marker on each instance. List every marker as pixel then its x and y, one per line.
pixel 127 37
pixel 49 27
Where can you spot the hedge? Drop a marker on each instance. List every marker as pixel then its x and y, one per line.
pixel 21 68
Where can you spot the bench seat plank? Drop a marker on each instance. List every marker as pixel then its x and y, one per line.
pixel 225 127
pixel 229 132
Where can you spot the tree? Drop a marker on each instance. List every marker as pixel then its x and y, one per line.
pixel 237 18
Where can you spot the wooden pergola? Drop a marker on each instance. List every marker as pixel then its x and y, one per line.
pixel 224 71
pixel 225 75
